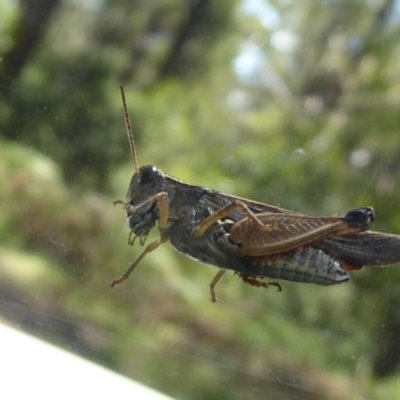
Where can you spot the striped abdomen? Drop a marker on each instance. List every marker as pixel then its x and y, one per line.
pixel 305 264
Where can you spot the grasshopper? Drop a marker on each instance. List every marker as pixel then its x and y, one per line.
pixel 253 239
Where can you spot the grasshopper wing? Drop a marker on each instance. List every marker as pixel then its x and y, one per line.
pixel 365 248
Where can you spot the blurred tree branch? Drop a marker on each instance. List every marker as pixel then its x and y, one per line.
pixel 27 34
pixel 197 15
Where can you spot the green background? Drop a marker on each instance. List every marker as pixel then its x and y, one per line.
pixel 289 103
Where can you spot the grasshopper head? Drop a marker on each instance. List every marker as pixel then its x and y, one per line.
pixel 141 210
pixel 145 183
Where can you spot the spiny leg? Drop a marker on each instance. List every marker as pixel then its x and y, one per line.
pixel 214 282
pixel 151 247
pixel 270 233
pixel 162 199
pixel 252 281
pixel 222 213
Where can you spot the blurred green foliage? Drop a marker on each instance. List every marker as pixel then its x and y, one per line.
pixel 307 120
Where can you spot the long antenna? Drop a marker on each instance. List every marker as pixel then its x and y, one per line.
pixel 129 129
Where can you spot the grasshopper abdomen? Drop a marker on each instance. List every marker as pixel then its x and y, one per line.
pixel 305 264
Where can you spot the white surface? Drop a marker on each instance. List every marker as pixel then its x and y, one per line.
pixel 33 369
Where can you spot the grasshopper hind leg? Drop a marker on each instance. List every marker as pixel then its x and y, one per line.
pixel 253 281
pixel 249 279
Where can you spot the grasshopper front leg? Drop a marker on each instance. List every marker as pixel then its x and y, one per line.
pixel 162 200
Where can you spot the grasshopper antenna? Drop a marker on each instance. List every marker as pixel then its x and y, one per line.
pixel 129 129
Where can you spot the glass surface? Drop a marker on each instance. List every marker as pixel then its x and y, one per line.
pixel 293 104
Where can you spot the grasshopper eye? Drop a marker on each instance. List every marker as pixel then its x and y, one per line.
pixel 148 174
